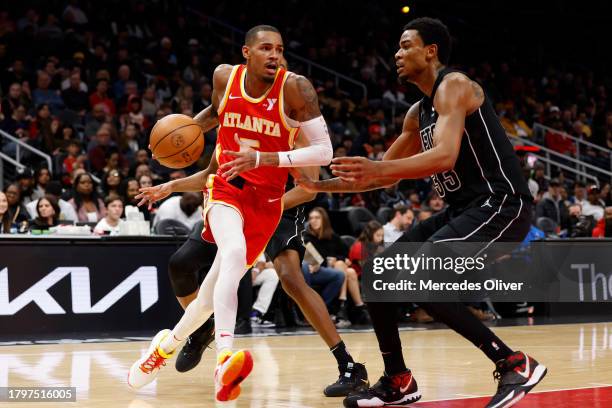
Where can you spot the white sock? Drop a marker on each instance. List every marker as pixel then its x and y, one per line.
pixel 227 228
pixel 196 313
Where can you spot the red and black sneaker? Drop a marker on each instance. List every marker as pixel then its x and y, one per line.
pixel 517 375
pixel 399 390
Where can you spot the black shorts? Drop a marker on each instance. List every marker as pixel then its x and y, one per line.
pixel 288 234
pixel 502 218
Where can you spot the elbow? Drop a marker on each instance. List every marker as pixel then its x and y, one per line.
pixel 327 154
pixel 311 196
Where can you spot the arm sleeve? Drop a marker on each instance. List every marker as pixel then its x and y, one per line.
pixel 320 151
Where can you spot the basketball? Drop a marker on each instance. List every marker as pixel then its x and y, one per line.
pixel 176 141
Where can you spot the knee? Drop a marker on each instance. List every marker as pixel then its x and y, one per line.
pixel 235 253
pixel 338 275
pixel 182 274
pixel 293 283
pixel 351 274
pixel 178 265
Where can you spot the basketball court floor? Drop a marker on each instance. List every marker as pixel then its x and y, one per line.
pixel 291 371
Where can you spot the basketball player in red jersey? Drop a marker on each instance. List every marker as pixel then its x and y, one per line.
pixel 260 108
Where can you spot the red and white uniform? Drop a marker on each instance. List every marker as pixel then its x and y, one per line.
pixel 261 123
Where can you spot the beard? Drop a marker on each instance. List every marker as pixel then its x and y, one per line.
pixel 267 79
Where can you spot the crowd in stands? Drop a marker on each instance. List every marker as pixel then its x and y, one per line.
pixel 85 82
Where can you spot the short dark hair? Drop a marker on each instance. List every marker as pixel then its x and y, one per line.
pixel 250 35
pixel 398 209
pixel 433 31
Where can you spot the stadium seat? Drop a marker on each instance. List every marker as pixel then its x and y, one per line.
pixel 171 227
pixel 358 218
pixel 549 226
pixel 383 214
pixel 348 240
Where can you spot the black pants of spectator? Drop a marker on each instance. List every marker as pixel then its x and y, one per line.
pixel 189 265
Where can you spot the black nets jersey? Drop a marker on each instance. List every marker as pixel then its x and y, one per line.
pixel 486 165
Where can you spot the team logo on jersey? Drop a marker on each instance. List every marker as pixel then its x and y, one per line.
pixel 252 123
pixel 270 104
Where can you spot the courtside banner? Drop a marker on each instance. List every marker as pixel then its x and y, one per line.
pixel 450 271
pixel 61 286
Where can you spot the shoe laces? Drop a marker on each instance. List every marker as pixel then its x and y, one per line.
pixel 154 361
pixel 509 364
pixel 347 369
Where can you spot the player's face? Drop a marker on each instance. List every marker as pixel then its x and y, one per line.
pixel 264 55
pixel 413 57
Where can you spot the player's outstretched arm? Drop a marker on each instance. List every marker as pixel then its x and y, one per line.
pixel 299 195
pixel 406 145
pixel 195 182
pixel 454 99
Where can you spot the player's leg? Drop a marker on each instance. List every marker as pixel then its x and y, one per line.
pixel 507 221
pixel 163 345
pixel 352 375
pixel 232 368
pixel 183 269
pixel 396 386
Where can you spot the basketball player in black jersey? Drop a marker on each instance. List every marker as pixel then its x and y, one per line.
pixel 453 136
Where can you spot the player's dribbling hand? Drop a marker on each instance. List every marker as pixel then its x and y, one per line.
pixel 153 194
pixel 246 159
pixel 152 154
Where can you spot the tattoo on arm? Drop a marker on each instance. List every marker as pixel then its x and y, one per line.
pixel 337 185
pixel 207 118
pixel 310 109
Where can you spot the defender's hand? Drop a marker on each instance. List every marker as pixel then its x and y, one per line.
pixel 354 169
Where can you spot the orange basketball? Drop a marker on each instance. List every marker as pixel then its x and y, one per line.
pixel 176 141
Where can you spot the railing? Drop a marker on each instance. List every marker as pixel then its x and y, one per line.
pixel 5 157
pixel 236 37
pixel 581 144
pixel 553 158
pixel 16 161
pixel 23 145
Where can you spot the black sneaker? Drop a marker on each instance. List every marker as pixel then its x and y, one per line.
pixel 342 320
pixel 399 391
pixel 243 326
pixel 191 353
pixel 517 375
pixel 353 377
pixel 362 316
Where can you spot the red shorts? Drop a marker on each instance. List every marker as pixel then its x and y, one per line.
pixel 260 209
